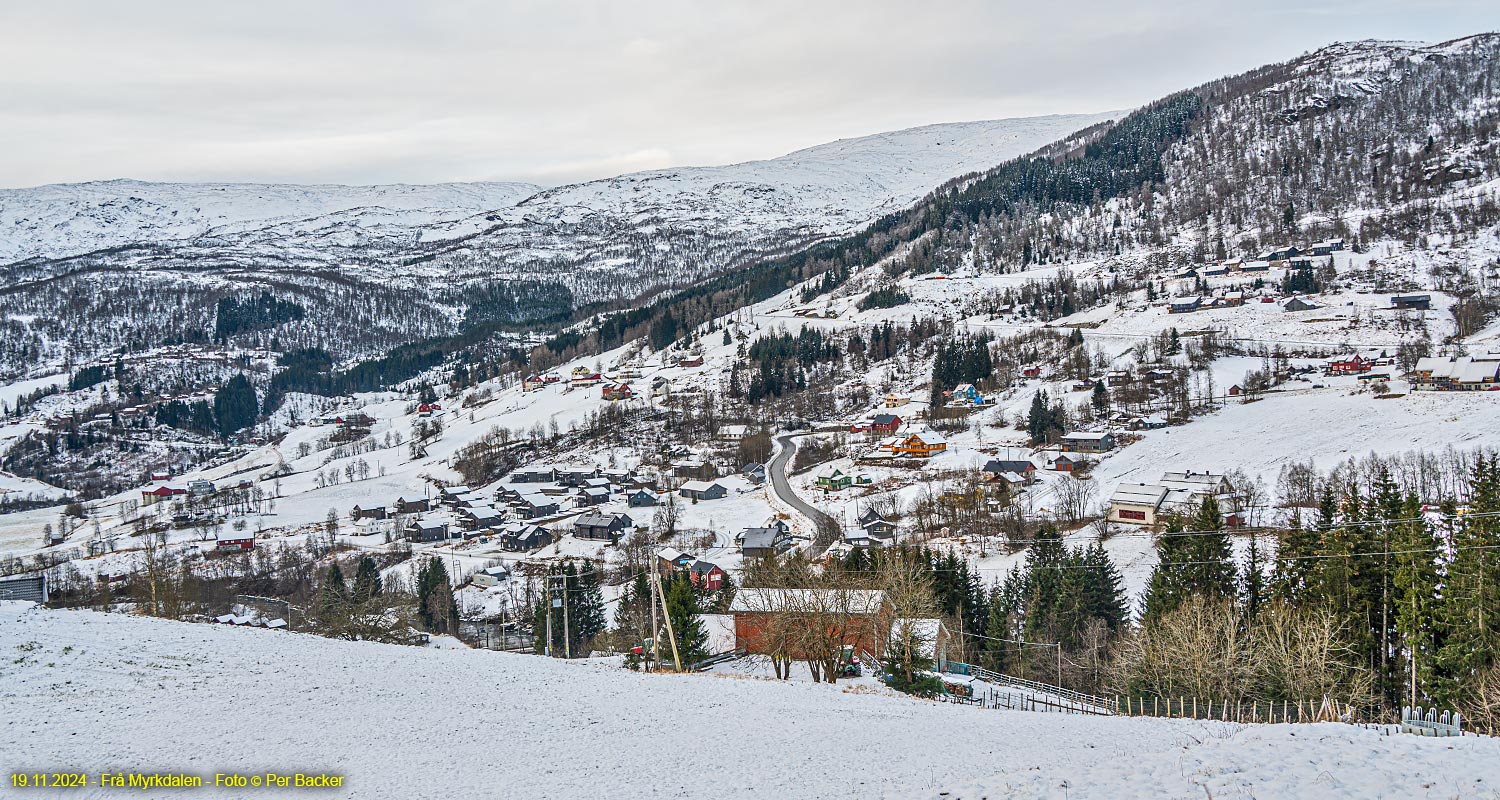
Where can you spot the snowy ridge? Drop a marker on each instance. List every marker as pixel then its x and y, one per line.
pixel 460 232
pixel 66 219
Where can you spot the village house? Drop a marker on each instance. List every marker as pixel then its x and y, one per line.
pixel 377 512
pixel 706 575
pixel 594 525
pixel 876 526
pixel 523 537
pixel 863 616
pixel 693 360
pixel 1067 462
pixel 426 530
pixel 670 560
pixel 1183 305
pixel 1299 304
pixel 1326 248
pixel 532 382
pixel 921 445
pixel 1460 374
pixel 234 542
pixel 754 472
pixel 767 540
pixel 537 473
pixel 966 394
pixel 531 506
pixel 832 479
pixel 1352 364
pixel 1022 467
pixel 733 433
pixel 160 493
pixel 695 468
pixel 586 379
pixel 1087 442
pixel 702 490
pixel 885 424
pixel 893 400
pixel 617 391
pixel 490 577
pixel 642 498
pixel 418 506
pixel 1179 493
pixel 591 496
pixel 1412 301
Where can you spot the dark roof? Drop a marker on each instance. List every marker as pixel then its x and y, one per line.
pixel 998 465
pixel 885 419
pixel 702 567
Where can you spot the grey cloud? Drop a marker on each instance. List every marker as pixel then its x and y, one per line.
pixel 367 92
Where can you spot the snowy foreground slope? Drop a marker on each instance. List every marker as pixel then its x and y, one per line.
pixel 93 692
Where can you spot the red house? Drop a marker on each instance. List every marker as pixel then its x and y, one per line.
pixel 886 423
pixel 160 493
pixel 690 361
pixel 1348 365
pixel 617 391
pixel 859 618
pixel 236 545
pixel 706 576
pixel 1032 372
pixel 1235 390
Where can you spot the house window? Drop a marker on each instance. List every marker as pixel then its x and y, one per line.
pixel 1127 514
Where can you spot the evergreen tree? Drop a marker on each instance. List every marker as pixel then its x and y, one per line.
pixel 683 611
pixel 235 405
pixel 435 607
pixel 1253 587
pixel 367 580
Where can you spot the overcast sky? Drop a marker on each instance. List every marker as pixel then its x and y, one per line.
pixel 370 91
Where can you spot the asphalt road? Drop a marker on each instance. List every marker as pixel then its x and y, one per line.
pixel 776 471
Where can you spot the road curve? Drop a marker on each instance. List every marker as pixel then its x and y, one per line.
pixel 776 472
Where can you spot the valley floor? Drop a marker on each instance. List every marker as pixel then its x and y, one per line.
pixel 94 692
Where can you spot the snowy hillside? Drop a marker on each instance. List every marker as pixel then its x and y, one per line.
pixel 404 722
pixel 68 219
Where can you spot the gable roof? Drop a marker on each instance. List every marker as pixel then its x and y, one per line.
pixel 852 601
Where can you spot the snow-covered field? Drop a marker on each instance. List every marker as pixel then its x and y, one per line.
pixel 93 692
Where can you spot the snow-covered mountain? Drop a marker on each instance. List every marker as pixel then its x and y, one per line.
pixel 61 220
pixel 378 266
pixel 485 228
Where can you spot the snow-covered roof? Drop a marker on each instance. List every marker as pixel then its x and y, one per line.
pixel 1138 494
pixel 853 601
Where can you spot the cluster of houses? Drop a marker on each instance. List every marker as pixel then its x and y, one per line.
pixel 920 445
pixel 1180 493
pixel 357 419
pixel 871 529
pixel 704 574
pixel 1476 373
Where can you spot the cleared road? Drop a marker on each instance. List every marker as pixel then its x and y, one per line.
pixel 824 528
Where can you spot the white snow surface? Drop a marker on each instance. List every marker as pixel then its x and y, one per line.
pixel 103 692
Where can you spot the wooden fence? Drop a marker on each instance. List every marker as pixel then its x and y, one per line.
pixel 1325 710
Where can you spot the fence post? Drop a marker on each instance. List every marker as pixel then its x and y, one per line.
pixel 1195 706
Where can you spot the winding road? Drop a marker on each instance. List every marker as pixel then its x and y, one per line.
pixel 825 529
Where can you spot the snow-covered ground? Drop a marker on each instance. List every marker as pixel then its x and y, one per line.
pixel 93 692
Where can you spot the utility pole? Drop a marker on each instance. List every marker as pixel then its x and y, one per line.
pixel 567 635
pixel 655 624
pixel 671 635
pixel 548 647
pixel 1059 663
